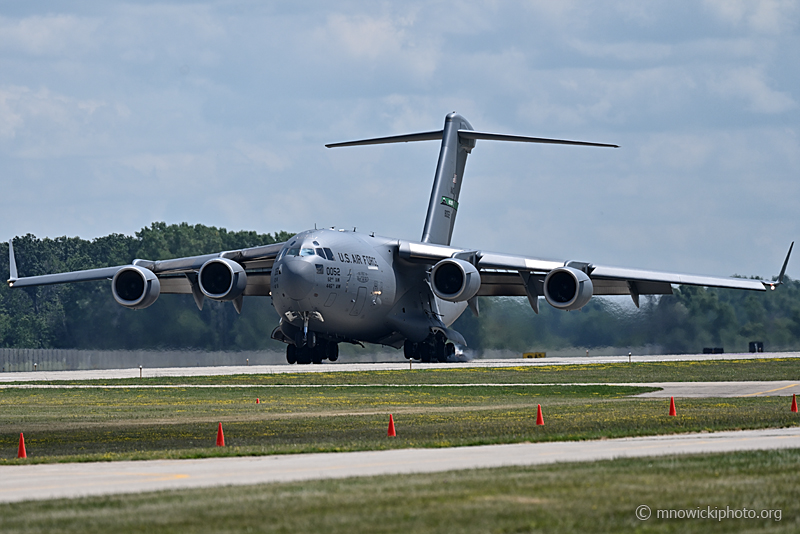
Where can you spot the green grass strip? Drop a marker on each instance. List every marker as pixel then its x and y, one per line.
pixel 117 424
pixel 581 497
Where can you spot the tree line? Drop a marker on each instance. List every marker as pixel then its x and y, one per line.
pixel 85 315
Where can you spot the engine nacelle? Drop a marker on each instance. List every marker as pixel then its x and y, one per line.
pixel 135 287
pixel 568 289
pixel 455 280
pixel 222 279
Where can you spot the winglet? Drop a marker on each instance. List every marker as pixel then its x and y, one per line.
pixel 12 263
pixel 773 285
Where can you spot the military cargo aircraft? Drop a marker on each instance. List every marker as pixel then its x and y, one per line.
pixel 332 287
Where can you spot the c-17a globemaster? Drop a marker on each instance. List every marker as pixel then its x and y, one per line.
pixel 332 286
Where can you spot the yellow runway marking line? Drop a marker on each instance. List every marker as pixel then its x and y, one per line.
pixel 768 391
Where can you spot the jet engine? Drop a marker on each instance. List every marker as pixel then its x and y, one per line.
pixel 135 287
pixel 455 280
pixel 222 279
pixel 567 288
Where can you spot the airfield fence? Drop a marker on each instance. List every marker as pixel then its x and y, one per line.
pixel 17 360
pixel 21 360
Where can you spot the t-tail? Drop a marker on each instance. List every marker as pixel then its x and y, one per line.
pixel 458 139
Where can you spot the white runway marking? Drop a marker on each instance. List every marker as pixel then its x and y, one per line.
pixel 48 481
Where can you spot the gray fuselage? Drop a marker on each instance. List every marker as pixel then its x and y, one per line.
pixel 354 287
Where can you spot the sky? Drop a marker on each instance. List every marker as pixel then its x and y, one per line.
pixel 114 115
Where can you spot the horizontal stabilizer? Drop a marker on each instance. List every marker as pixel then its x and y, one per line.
pixel 471 134
pixel 424 136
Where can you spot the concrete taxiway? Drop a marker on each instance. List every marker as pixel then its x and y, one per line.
pixel 777 388
pixel 28 482
pixel 399 365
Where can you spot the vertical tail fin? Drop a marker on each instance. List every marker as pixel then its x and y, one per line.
pixel 443 205
pixel 458 140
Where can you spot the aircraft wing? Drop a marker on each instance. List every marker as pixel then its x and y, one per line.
pixel 174 275
pixel 512 275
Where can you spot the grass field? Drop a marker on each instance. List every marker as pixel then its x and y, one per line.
pixel 580 497
pixel 104 423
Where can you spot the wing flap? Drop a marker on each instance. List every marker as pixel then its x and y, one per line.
pixel 510 284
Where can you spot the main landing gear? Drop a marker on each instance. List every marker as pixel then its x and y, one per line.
pixel 434 349
pixel 311 350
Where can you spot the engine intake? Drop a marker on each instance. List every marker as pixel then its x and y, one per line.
pixel 222 279
pixel 567 288
pixel 135 287
pixel 455 280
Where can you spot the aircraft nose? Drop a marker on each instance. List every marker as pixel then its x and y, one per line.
pixel 297 278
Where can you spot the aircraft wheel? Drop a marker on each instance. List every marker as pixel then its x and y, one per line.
pixel 311 340
pixel 449 351
pixel 425 352
pixel 317 354
pixel 332 351
pixel 440 349
pixel 304 355
pixel 298 340
pixel 410 350
pixel 291 354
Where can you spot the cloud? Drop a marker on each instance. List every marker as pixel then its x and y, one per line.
pixel 53 34
pixel 749 84
pixel 762 16
pixel 42 123
pixel 121 113
pixel 262 156
pixel 388 41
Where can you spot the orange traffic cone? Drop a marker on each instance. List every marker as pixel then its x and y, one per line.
pixel 220 437
pixel 539 418
pixel 258 401
pixel 21 451
pixel 672 406
pixel 794 403
pixel 391 433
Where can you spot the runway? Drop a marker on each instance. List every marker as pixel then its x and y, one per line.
pixel 776 388
pixel 49 481
pixel 399 365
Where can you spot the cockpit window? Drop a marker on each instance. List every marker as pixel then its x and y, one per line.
pixel 320 253
pixel 328 253
pixel 293 252
pixel 306 251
